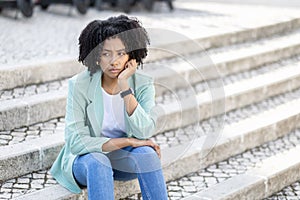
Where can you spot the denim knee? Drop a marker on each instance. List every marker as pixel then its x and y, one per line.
pixel 98 159
pixel 146 159
pixel 144 150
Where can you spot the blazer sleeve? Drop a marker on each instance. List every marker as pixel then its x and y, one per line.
pixel 77 132
pixel 142 122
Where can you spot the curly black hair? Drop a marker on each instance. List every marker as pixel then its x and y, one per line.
pixel 134 37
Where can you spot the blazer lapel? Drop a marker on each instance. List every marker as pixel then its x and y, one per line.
pixel 95 108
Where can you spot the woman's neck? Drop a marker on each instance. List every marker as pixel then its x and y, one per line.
pixel 110 85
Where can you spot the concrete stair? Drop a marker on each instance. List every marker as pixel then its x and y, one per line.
pixel 41 107
pixel 208 149
pixel 254 72
pixel 175 115
pixel 270 176
pixel 258 183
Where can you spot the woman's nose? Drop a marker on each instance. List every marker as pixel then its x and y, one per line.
pixel 114 61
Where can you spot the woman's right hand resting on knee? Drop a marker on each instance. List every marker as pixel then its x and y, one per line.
pixel 118 143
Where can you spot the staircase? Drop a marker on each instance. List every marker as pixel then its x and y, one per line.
pixel 234 134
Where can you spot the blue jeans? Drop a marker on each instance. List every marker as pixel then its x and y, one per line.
pixel 97 172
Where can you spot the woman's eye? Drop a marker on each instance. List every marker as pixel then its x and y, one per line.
pixel 122 54
pixel 105 54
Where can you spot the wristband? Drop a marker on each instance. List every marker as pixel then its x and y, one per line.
pixel 126 92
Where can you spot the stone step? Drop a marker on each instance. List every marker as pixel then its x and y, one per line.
pixel 221 62
pixel 227 60
pixel 46 70
pixel 19 135
pixel 270 176
pixel 41 156
pixel 162 95
pixel 239 164
pixel 195 107
pixel 202 151
pixel 44 106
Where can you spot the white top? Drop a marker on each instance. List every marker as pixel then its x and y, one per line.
pixel 113 125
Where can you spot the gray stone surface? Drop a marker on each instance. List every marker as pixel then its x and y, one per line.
pixel 30 110
pixel 180 168
pixel 190 184
pixel 50 105
pixel 236 188
pixel 236 97
pixel 216 19
pixel 238 137
pixel 168 138
pixel 58 49
pixel 29 156
pixel 234 166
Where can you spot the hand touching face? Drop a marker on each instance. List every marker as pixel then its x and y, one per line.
pixel 130 68
pixel 113 58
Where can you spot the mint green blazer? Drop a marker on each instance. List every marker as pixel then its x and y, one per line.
pixel 84 116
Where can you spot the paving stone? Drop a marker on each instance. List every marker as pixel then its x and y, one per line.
pixel 36 186
pixel 6 196
pixel 174 188
pixel 211 181
pixel 18 134
pixel 6 137
pixel 190 189
pixel 16 140
pixel 38 176
pixel 23 180
pixel 174 194
pixel 22 130
pixel 3 142
pixel 21 186
pixel 32 132
pixel 5 190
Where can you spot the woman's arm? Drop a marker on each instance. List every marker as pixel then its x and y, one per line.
pixel 129 100
pixel 140 117
pixel 118 143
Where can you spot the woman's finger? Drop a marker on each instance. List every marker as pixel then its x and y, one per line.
pixel 157 149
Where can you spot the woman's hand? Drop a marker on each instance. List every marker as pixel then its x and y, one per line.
pixel 130 68
pixel 137 143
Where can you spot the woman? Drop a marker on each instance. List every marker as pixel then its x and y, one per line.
pixel 109 117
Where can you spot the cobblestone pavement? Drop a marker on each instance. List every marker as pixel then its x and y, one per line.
pixel 19 135
pixel 29 90
pixel 187 134
pixel 170 96
pixel 291 192
pixel 169 138
pixel 187 185
pixel 52 35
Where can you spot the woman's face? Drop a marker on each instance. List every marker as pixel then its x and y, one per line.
pixel 113 57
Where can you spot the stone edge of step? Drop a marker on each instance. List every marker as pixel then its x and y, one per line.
pixel 271 176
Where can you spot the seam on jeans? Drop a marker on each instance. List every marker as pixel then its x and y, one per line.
pixel 139 172
pixel 144 185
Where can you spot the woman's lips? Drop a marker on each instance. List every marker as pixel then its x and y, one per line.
pixel 114 70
